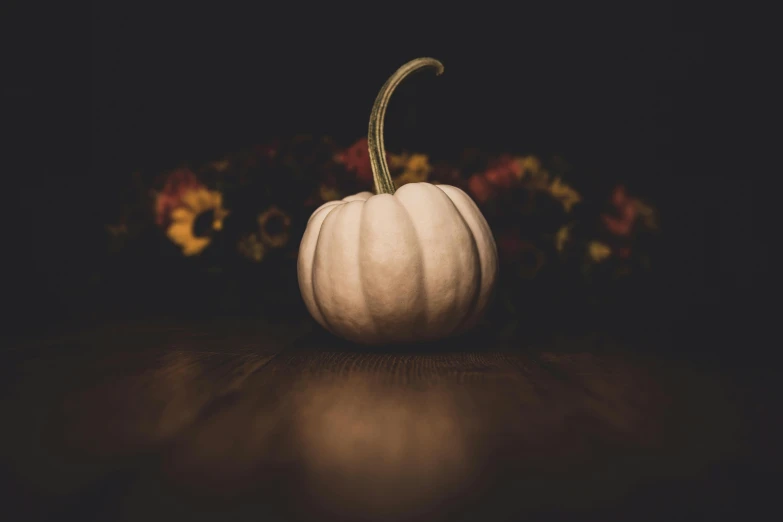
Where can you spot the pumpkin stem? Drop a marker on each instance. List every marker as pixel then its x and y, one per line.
pixel 380 169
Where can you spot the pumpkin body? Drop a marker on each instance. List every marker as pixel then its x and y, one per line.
pixel 416 265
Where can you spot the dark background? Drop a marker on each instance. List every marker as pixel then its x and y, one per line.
pixel 642 94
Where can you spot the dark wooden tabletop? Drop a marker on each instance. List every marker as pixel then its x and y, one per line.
pixel 240 420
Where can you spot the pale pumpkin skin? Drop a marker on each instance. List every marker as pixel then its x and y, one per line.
pixel 417 265
pixel 414 264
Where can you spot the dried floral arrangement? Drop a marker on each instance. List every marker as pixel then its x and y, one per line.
pixel 227 232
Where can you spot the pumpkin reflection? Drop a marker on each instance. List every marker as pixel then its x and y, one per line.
pixel 371 449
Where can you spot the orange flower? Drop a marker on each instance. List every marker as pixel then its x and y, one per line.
pixel 196 220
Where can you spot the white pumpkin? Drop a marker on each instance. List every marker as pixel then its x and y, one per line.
pixel 418 263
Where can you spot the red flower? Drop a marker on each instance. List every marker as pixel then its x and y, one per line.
pixel 356 159
pixel 170 196
pixel 480 188
pixel 626 209
pixel 503 172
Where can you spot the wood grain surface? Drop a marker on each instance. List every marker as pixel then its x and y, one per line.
pixel 240 420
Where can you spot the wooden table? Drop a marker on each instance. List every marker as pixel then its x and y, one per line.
pixel 240 420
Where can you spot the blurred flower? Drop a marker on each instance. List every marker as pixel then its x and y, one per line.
pixel 598 251
pixel 170 197
pixel 356 159
pixel 565 194
pixel 504 171
pixel 403 179
pixel 562 236
pixel 418 167
pixel 273 226
pixel 531 173
pixel 626 210
pixel 397 161
pixel 252 248
pixel 539 181
pixel 624 252
pixel 480 188
pixel 193 223
pixel 527 166
pixel 416 170
pixel 328 192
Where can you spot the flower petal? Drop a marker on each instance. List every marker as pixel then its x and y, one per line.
pixel 215 199
pixel 180 233
pixel 182 215
pixel 191 198
pixel 205 200
pixel 195 246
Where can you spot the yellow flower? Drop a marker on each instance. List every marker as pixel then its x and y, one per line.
pixel 199 216
pixel 565 194
pixel 530 167
pixel 527 165
pixel 417 170
pixel 397 161
pixel 252 248
pixel 328 193
pixel 273 225
pixel 405 178
pixel 562 236
pixel 598 251
pixel 418 167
